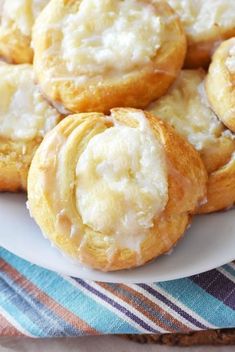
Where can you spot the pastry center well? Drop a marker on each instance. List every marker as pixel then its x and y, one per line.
pixel 24 113
pixel 21 13
pixel 202 17
pixel 122 183
pixel 186 108
pixel 106 35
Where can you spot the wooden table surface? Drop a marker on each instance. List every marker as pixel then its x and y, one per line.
pixel 95 344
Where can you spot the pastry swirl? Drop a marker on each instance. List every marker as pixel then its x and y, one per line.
pixel 25 118
pixel 114 191
pixel 93 55
pixel 186 108
pixel 220 83
pixel 16 21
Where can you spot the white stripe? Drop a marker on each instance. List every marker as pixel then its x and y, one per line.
pixel 227 274
pixel 15 323
pixel 124 317
pixel 168 309
pixel 183 307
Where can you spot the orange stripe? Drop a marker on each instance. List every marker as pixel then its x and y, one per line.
pixel 7 329
pixel 62 312
pixel 153 306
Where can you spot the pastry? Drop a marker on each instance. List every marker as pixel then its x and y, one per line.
pixel 221 83
pixel 25 117
pixel 207 23
pixel 16 20
pixel 114 191
pixel 187 109
pixel 93 55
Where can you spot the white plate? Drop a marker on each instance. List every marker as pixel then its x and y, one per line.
pixel 209 243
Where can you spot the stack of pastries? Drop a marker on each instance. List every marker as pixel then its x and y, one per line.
pixel 118 119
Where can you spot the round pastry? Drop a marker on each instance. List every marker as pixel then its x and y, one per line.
pixel 220 83
pixel 186 108
pixel 207 23
pixel 114 191
pixel 25 117
pixel 16 20
pixel 93 55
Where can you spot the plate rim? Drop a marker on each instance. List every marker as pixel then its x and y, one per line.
pixel 115 277
pixel 172 277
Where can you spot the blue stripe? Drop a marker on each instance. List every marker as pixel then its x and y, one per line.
pixel 35 310
pixel 19 316
pixel 70 297
pixel 200 302
pixel 229 269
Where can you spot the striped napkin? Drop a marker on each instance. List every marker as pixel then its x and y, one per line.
pixel 35 302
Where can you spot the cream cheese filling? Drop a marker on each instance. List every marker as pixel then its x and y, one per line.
pixel 109 35
pixel 201 17
pixel 24 113
pixel 21 13
pixel 187 109
pixel 122 182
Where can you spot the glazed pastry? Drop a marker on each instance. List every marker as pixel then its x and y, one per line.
pixel 186 108
pixel 16 20
pixel 207 23
pixel 93 55
pixel 220 83
pixel 25 117
pixel 114 191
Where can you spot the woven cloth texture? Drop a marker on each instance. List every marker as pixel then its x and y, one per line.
pixel 39 303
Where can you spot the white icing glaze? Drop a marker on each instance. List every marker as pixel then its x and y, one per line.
pixel 202 17
pixel 187 109
pixel 230 61
pixel 107 35
pixel 122 182
pixel 21 13
pixel 24 113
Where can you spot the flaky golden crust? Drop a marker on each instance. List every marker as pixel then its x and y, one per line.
pixel 16 21
pixel 199 53
pixel 220 85
pixel 186 187
pixel 221 180
pixel 186 108
pixel 15 159
pixel 135 89
pixel 207 23
pixel 15 47
pixel 25 117
pixel 221 189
